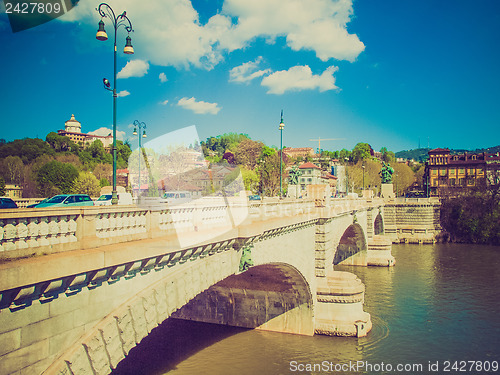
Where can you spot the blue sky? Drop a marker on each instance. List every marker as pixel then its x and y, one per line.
pixel 389 73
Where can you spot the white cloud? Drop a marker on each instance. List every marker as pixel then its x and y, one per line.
pixel 103 131
pixel 247 71
pixel 200 107
pixel 164 102
pixel 300 78
pixel 134 68
pixel 163 77
pixel 317 25
pixel 122 93
pixel 170 33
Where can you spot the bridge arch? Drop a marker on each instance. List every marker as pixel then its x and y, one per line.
pixel 353 240
pixel 378 225
pixel 272 297
pixel 279 294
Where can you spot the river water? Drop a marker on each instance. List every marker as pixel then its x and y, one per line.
pixel 436 312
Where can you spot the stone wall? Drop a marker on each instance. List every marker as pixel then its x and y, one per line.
pixel 412 222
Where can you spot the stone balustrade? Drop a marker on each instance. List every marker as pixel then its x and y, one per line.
pixel 33 232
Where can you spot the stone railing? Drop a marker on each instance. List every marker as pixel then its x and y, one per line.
pixel 33 232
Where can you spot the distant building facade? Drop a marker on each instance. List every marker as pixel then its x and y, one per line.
pixel 300 151
pixel 313 175
pixel 446 173
pixel 13 191
pixel 73 130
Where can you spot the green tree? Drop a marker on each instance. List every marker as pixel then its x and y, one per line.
pixel 361 151
pixel 388 156
pixel 58 175
pixel 250 179
pixel 474 216
pixel 86 183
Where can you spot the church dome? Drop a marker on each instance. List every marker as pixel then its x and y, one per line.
pixel 72 125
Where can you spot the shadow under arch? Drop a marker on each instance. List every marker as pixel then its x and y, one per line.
pixel 378 225
pixel 352 241
pixel 275 292
pixel 274 297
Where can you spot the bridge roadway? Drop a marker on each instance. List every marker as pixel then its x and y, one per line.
pixel 80 287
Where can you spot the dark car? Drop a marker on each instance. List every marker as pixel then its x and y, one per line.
pixel 7 203
pixel 36 204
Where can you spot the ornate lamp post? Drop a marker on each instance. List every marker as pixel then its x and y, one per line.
pixel 282 126
pixel 346 178
pixel 117 21
pixel 140 125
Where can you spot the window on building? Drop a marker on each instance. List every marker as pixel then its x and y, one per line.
pixel 452 182
pixel 442 172
pixel 452 171
pixel 434 172
pixel 309 180
pixel 479 171
pixel 461 181
pixel 470 171
pixel 470 181
pixel 461 171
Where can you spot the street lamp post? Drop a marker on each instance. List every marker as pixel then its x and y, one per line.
pixel 140 125
pixel 121 20
pixel 346 178
pixel 282 126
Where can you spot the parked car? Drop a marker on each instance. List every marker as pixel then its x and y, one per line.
pixel 7 203
pixel 254 197
pixel 67 200
pixel 105 199
pixel 36 204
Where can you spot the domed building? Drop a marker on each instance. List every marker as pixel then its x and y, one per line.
pixel 73 130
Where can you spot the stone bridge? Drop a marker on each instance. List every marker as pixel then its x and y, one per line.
pixel 80 287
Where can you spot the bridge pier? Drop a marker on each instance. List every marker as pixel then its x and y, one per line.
pixel 339 306
pixel 379 251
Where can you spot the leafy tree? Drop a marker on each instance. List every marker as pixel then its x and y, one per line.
pixel 104 182
pixel 361 151
pixel 103 171
pixel 229 156
pixel 248 153
pixel 388 156
pixel 402 178
pixel 13 169
pixel 58 175
pixel 58 142
pixel 27 149
pixel 250 179
pixel 344 154
pixel 86 183
pixel 123 152
pixel 269 171
pixel 474 216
